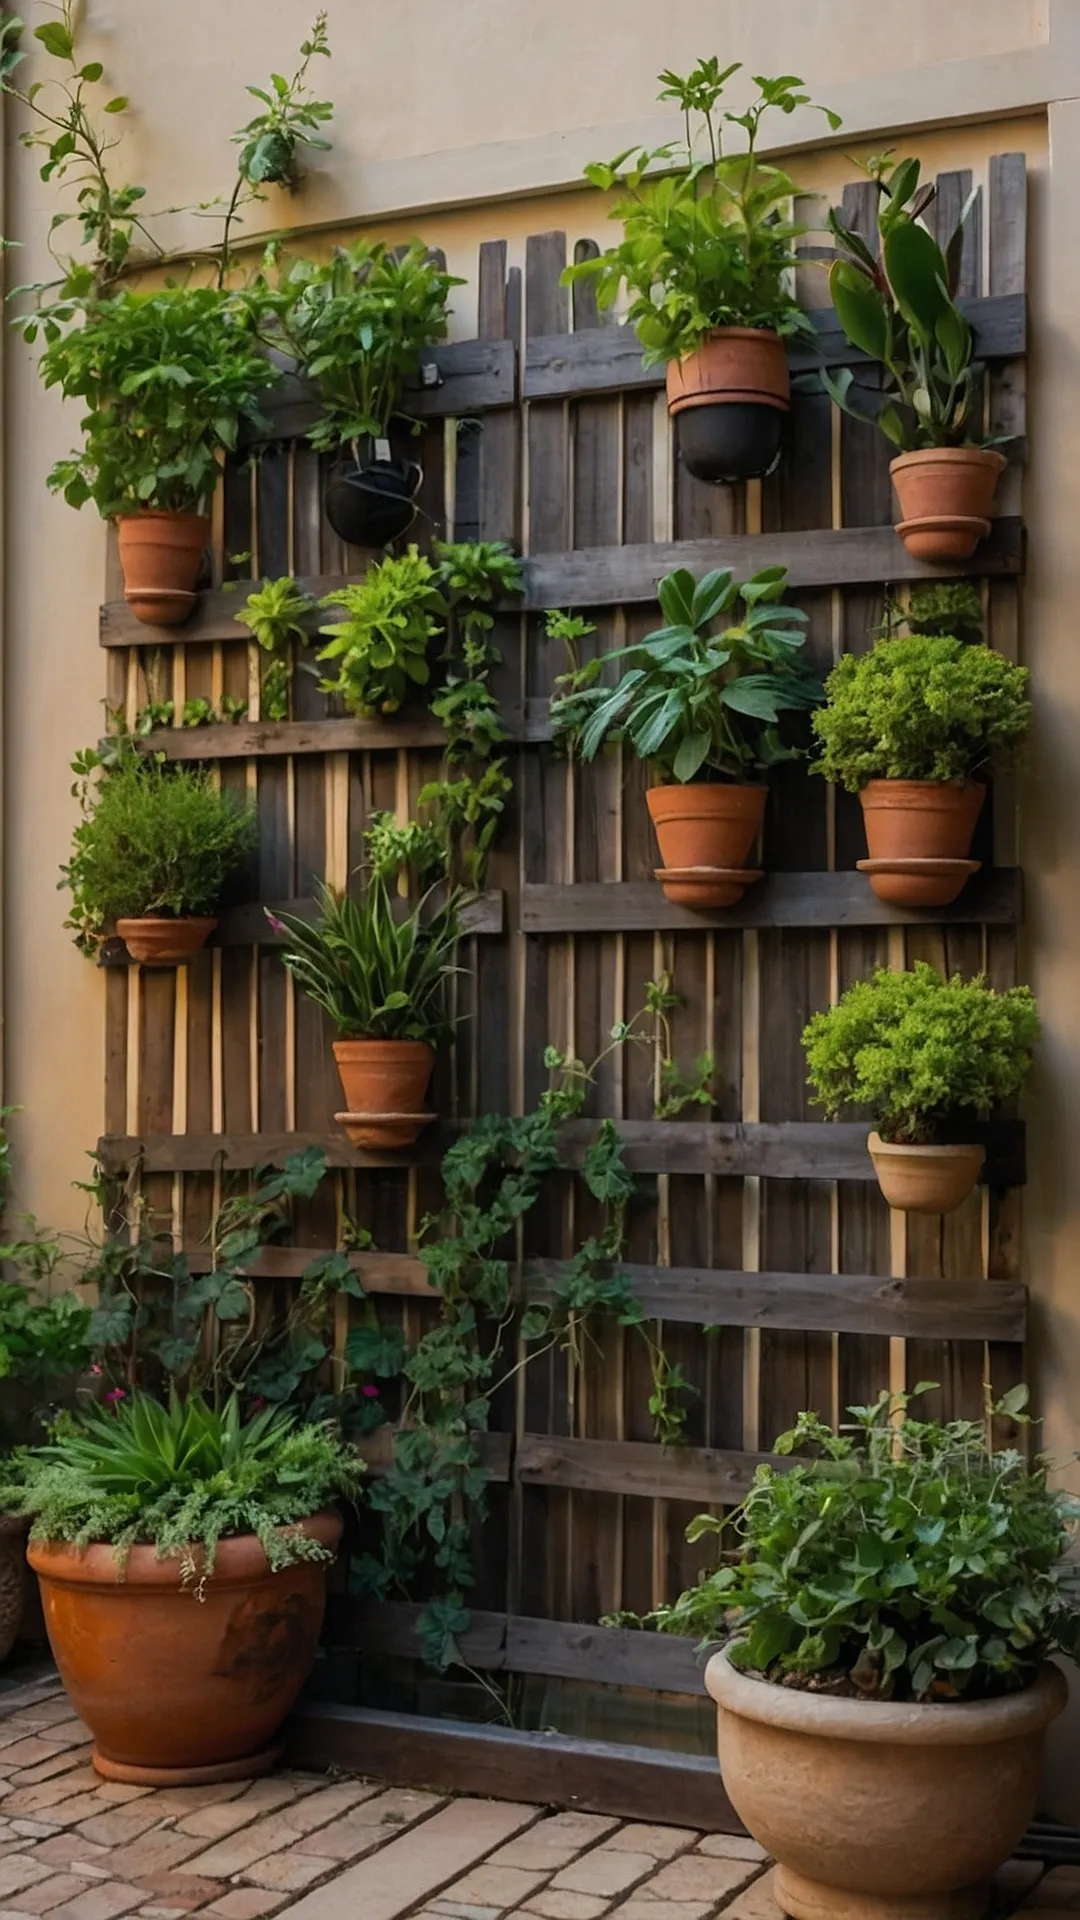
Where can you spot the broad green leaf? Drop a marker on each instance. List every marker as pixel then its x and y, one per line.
pixel 917 275
pixel 861 310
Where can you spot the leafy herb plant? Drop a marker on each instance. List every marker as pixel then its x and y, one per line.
pixel 184 1477
pixel 707 237
pixel 381 648
pixel 694 702
pixel 153 839
pixel 379 977
pixel 277 613
pixel 909 1560
pixel 918 1050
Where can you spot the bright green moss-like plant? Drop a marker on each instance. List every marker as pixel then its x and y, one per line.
pixel 153 839
pixel 183 1477
pixel 923 706
pixel 911 1560
pixel 918 1050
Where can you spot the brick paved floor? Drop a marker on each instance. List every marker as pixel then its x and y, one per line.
pixel 74 1847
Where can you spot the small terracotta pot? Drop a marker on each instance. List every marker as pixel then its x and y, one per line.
pixel 881 1811
pixel 731 397
pixel 13 1579
pixel 384 1082
pixel 161 554
pixel 924 1179
pixel 164 943
pixel 946 496
pixel 183 1685
pixel 705 834
pixel 918 834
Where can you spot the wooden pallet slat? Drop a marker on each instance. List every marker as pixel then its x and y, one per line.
pixel 815 899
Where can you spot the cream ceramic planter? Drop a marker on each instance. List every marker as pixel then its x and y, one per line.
pixel 877 1811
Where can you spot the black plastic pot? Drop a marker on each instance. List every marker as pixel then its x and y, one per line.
pixel 730 440
pixel 371 503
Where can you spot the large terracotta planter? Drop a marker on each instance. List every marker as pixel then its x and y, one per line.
pixel 385 1083
pixel 731 397
pixel 876 1811
pixel 924 1179
pixel 946 497
pixel 161 554
pixel 183 1685
pixel 164 943
pixel 705 833
pixel 918 835
pixel 13 1581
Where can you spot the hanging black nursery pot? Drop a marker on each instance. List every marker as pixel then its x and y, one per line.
pixel 730 400
pixel 371 502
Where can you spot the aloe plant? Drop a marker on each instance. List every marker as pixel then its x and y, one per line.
pixel 377 976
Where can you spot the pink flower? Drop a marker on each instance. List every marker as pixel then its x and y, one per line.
pixel 96 1370
pixel 370 1393
pixel 117 1393
pixel 277 925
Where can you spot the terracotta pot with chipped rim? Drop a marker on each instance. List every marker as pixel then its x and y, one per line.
pixel 182 1686
pixel 731 396
pixel 924 1179
pixel 918 837
pixel 161 553
pixel 881 1810
pixel 13 1578
pixel 160 942
pixel 387 1078
pixel 946 497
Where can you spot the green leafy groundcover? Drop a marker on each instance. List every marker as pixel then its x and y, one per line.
pixel 910 1561
pixel 182 1477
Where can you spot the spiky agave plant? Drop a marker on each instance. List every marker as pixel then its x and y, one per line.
pixel 377 976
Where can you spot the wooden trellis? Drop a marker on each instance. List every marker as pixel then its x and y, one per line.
pixel 761 1222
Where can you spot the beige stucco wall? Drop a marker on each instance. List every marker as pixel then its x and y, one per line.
pixel 467 122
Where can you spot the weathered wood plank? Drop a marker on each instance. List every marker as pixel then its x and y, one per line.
pixel 780 1150
pixel 544 1769
pixel 620 576
pixel 638 1468
pixel 458 376
pixel 815 899
pixel 608 359
pixel 248 926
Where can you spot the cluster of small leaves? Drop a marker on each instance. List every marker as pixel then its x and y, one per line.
pixel 919 1051
pixel 195 712
pixel 290 119
pixel 691 701
pixel 920 706
pixel 473 577
pixel 938 606
pixel 277 614
pixel 708 240
pixel 378 975
pixel 897 303
pixel 153 839
pixel 358 324
pixel 677 1088
pixel 40 1339
pixel 910 1560
pixel 183 1477
pixel 381 648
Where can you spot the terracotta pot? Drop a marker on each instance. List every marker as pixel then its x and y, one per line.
pixel 946 495
pixel 731 397
pixel 924 1179
pixel 14 1585
pixel 161 554
pixel 164 943
pixel 182 1686
pixel 384 1082
pixel 705 834
pixel 876 1811
pixel 918 834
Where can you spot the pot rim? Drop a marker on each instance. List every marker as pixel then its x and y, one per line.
pixel 732 333
pixel 944 1150
pixel 239 1558
pixel 963 1723
pixel 163 513
pixel 369 1044
pixel 964 784
pixel 167 920
pixel 927 456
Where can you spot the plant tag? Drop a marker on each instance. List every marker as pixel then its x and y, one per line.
pixel 382 450
pixel 429 374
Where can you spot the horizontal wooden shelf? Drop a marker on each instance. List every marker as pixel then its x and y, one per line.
pixel 459 376
pixel 260 739
pixel 248 926
pixel 566 366
pixel 992 898
pixel 925 1309
pixel 780 1150
pixel 507 1763
pixel 625 576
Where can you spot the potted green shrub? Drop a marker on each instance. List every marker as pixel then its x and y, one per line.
pixel 358 325
pixel 927 1056
pixel 152 854
pixel 888 1610
pixel 910 727
pixel 704 708
pixel 707 258
pixel 182 1556
pixel 381 976
pixel 898 305
pixel 168 379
